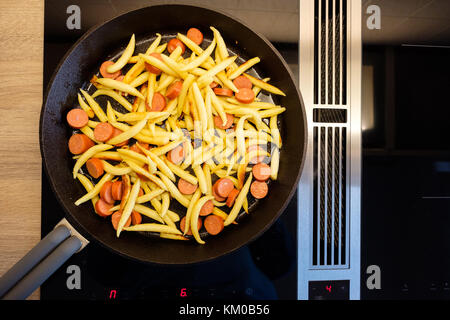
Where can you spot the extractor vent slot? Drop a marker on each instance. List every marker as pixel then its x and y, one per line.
pixel 330 52
pixel 329 210
pixel 330 115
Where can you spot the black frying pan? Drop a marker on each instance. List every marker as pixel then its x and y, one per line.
pixel 76 68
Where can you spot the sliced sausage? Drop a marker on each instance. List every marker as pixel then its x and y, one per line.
pixel 145 145
pixel 223 92
pixel 116 190
pixel 186 187
pixel 245 95
pixel 256 159
pixel 77 118
pixel 216 196
pixel 261 171
pixel 158 102
pixel 213 85
pixel 102 208
pixel 151 68
pixel 79 143
pixel 213 224
pixel 259 189
pixel 242 82
pixel 95 167
pixel 136 218
pixel 135 148
pixel 106 192
pixel 195 35
pixel 232 197
pixel 115 218
pixel 223 187
pixel 219 124
pixel 173 44
pixel 103 131
pixel 176 155
pixel 183 225
pixel 207 208
pixel 116 132
pixel 106 74
pixel 174 90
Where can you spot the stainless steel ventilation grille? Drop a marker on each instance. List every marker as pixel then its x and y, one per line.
pixel 329 238
pixel 329 201
pixel 329 189
pixel 330 52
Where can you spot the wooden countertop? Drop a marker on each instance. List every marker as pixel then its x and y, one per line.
pixel 21 76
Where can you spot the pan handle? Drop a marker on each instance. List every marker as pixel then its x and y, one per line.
pixel 41 262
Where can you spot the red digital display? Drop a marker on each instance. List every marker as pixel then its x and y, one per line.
pixel 329 290
pixel 112 294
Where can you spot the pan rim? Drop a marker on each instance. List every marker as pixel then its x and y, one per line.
pixel 79 226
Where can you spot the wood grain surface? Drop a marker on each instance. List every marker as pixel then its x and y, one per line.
pixel 21 75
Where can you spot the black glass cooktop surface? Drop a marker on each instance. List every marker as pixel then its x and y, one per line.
pixel 406 158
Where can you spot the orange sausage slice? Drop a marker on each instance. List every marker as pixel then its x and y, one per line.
pixel 136 218
pixel 183 224
pixel 106 74
pixel 213 224
pixel 102 208
pixel 186 187
pixel 174 90
pixel 176 155
pixel 195 35
pixel 223 92
pixel 232 197
pixel 77 118
pixel 103 131
pixel 106 192
pixel 116 132
pixel 219 124
pixel 213 85
pixel 116 190
pixel 216 196
pixel 115 218
pixel 245 95
pixel 135 148
pixel 261 171
pixel 173 44
pixel 259 189
pixel 158 102
pixel 207 208
pixel 95 167
pixel 256 159
pixel 151 68
pixel 79 143
pixel 242 82
pixel 223 187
